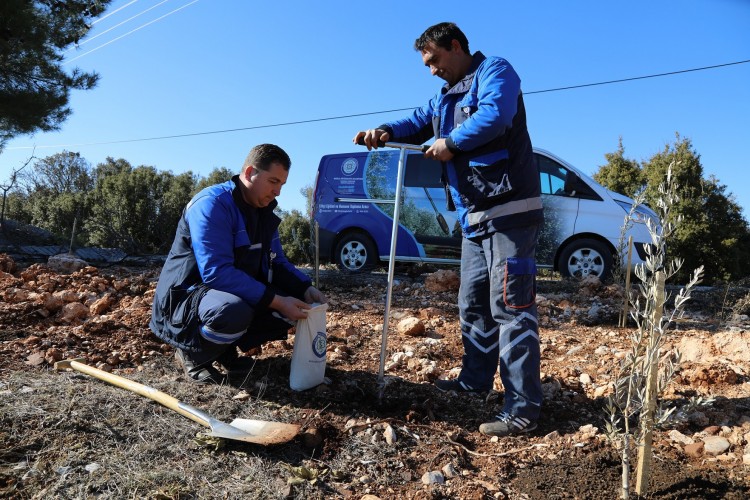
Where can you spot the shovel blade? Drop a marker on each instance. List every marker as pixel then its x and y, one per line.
pixel 255 431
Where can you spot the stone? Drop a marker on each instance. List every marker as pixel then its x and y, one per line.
pixel 715 445
pixel 551 389
pixel 433 477
pixel 601 390
pixel 712 430
pixel 72 311
pixel 411 326
pixel 66 263
pixel 312 438
pixel 35 359
pixel 449 471
pixel 694 450
pixel 7 264
pixel 389 434
pixel 101 305
pixel 444 280
pixel 679 437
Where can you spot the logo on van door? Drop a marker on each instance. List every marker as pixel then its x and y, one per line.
pixel 349 166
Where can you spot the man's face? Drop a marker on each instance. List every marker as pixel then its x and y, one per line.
pixel 446 64
pixel 263 186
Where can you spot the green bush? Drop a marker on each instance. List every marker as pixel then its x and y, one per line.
pixel 294 232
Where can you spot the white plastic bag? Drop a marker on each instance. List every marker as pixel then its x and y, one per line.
pixel 309 356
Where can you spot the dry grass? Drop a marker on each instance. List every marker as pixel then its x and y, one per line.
pixel 76 437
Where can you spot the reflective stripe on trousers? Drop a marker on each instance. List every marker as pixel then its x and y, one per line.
pixel 499 318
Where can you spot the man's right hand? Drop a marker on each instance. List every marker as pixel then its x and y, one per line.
pixel 372 137
pixel 290 307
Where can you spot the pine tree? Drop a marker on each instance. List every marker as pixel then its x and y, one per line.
pixel 621 174
pixel 34 88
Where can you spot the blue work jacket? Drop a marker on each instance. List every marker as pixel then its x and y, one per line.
pixel 492 180
pixel 222 244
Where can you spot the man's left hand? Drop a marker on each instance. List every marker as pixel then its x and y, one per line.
pixel 439 151
pixel 313 295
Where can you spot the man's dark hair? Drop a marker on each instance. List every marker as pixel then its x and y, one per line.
pixel 263 156
pixel 442 34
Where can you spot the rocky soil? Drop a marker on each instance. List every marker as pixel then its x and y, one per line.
pixel 63 434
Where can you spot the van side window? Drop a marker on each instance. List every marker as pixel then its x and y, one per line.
pixel 552 176
pixel 421 172
pixel 559 181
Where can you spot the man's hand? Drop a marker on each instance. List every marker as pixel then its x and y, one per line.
pixel 439 151
pixel 313 295
pixel 290 307
pixel 371 137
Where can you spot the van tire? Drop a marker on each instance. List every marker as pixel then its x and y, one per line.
pixel 355 252
pixel 586 257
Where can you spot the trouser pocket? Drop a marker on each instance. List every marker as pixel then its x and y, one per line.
pixel 519 282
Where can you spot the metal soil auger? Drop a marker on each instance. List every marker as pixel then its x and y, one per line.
pixel 240 429
pixel 392 256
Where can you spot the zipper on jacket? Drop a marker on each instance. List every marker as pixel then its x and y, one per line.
pixel 270 267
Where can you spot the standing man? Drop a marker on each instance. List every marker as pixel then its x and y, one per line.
pixel 478 121
pixel 226 283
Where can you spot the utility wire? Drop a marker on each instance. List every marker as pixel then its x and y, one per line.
pixel 637 77
pixel 370 113
pixel 114 12
pixel 130 32
pixel 114 27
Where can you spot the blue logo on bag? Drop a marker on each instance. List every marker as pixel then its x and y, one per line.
pixel 319 344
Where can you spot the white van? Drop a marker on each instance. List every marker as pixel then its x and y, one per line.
pixel 353 206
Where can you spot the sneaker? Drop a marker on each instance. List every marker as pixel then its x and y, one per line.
pixel 235 364
pixel 507 425
pixel 198 373
pixel 456 385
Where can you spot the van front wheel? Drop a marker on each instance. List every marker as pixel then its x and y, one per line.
pixel 356 253
pixel 586 257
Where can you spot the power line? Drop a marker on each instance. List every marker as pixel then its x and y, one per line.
pixel 114 12
pixel 370 113
pixel 130 32
pixel 115 26
pixel 637 77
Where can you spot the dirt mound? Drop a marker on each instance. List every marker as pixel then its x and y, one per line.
pixel 68 435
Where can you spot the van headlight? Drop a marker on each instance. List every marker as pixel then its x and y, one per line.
pixel 641 214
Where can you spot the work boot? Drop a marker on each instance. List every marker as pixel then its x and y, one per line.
pixel 235 364
pixel 199 373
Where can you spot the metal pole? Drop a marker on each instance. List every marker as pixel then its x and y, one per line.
pixel 626 302
pixel 392 256
pixel 72 236
pixel 317 254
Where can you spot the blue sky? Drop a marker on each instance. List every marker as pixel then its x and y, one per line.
pixel 184 67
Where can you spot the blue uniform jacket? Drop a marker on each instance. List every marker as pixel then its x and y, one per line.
pixel 221 244
pixel 493 179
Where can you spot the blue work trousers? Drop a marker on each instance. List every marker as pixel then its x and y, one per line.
pixel 227 320
pixel 498 317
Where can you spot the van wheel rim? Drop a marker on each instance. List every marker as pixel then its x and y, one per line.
pixel 586 262
pixel 354 255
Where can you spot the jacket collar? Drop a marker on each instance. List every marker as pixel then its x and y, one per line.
pixel 465 83
pixel 240 201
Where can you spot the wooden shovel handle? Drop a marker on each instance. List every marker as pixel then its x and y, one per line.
pixel 143 390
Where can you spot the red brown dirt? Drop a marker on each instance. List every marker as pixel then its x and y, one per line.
pixel 102 315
